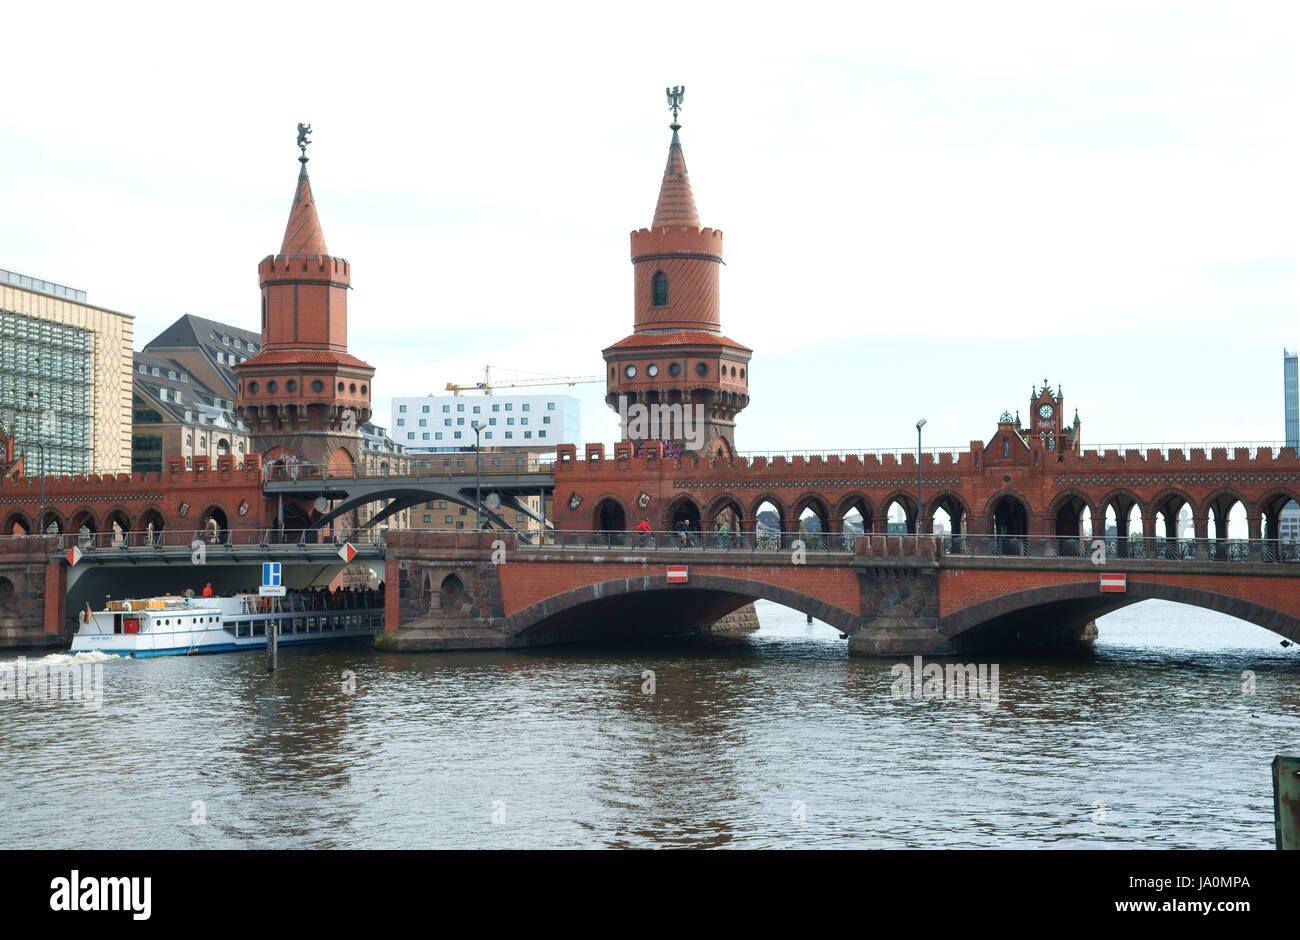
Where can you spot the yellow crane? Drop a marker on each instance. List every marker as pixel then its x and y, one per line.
pixel 487 385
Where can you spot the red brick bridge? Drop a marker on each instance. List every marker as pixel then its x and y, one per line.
pixel 890 595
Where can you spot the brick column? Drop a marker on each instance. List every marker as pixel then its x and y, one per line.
pixel 56 590
pixel 392 588
pixel 1201 529
pixel 1255 526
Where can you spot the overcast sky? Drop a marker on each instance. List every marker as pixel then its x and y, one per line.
pixel 926 209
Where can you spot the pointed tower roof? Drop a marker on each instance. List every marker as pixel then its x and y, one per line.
pixel 303 235
pixel 676 205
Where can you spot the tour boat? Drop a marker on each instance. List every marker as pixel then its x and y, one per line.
pixel 166 626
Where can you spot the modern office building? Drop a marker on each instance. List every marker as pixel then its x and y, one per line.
pixel 1289 521
pixel 445 423
pixel 1291 396
pixel 65 378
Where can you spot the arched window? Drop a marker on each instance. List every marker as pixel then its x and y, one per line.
pixel 660 289
pixel 1006 447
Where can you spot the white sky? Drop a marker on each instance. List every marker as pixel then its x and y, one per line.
pixel 927 208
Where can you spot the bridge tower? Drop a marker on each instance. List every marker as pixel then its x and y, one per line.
pixel 303 394
pixel 677 354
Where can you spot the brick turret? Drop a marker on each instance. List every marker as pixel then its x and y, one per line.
pixel 677 354
pixel 303 394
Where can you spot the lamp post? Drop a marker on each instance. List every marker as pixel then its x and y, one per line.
pixel 919 512
pixel 478 477
pixel 40 525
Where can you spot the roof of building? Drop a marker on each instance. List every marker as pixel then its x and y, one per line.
pixel 223 345
pixel 179 395
pixel 677 338
pixel 277 357
pixel 303 235
pixel 676 205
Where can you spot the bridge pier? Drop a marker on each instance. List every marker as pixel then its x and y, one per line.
pixel 899 587
pixel 31 596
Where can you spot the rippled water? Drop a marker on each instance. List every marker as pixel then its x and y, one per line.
pixel 1147 741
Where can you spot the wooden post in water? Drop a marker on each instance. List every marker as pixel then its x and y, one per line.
pixel 272 647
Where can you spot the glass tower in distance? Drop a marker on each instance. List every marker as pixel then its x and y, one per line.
pixel 1289 524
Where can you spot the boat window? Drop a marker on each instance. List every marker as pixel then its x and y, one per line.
pixel 259 628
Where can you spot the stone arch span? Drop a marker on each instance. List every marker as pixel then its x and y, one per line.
pixel 713 596
pixel 1080 601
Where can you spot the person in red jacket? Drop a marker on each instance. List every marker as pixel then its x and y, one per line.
pixel 207 589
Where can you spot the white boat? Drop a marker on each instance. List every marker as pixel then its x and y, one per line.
pixel 164 626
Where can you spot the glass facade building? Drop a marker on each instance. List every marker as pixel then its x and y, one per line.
pixel 1291 397
pixel 47 379
pixel 1289 524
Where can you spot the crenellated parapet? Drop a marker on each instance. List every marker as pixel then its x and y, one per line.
pixel 651 243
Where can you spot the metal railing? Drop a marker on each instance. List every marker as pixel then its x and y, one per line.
pixel 279 473
pixel 979 545
pixel 691 540
pixel 174 538
pixel 1135 548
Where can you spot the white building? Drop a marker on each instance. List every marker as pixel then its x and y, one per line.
pixel 442 423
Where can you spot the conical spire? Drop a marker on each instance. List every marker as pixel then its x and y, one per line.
pixel 303 234
pixel 676 205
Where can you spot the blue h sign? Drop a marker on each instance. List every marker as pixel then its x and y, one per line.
pixel 271 574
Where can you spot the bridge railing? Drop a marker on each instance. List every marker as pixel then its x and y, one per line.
pixel 176 538
pixel 693 540
pixel 968 545
pixel 1137 548
pixel 278 472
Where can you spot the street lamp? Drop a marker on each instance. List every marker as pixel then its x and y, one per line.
pixel 478 477
pixel 920 424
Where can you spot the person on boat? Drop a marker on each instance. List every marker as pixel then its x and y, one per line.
pixel 207 589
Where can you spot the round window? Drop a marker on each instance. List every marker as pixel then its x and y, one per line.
pixel 675 369
pixel 363 390
pixel 353 388
pixel 652 370
pixel 252 388
pixel 340 386
pixel 317 385
pixel 271 386
pixel 701 368
pixel 630 372
pixel 291 386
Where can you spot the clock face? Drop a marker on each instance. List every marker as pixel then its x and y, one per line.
pixel 1046 411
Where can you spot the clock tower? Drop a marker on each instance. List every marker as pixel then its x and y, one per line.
pixel 1047 420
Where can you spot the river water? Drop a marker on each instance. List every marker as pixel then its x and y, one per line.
pixel 773 740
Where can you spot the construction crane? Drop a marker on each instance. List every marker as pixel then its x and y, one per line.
pixel 486 385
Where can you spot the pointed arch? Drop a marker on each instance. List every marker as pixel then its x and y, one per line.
pixel 17 523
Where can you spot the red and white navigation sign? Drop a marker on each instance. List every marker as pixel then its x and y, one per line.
pixel 73 555
pixel 347 551
pixel 677 574
pixel 1114 582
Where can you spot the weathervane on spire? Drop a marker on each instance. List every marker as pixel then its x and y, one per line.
pixel 675 96
pixel 304 131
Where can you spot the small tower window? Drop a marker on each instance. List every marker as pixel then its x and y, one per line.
pixel 1006 447
pixel 660 289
